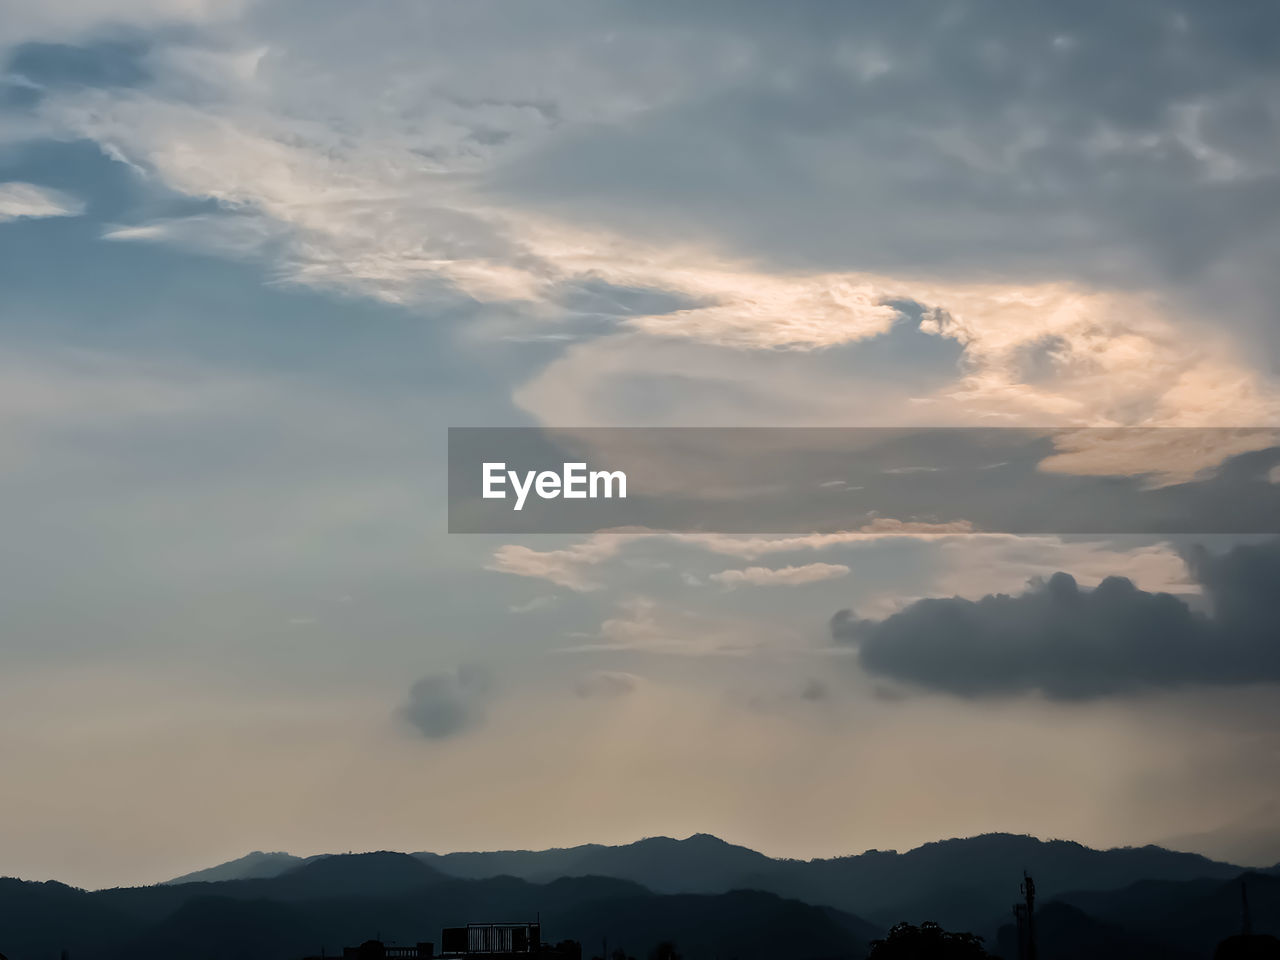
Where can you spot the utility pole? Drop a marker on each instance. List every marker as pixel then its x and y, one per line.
pixel 1025 915
pixel 1029 892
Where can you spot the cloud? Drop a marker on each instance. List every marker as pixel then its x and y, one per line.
pixel 1124 359
pixel 642 625
pixel 542 602
pixel 1076 644
pixel 1163 457
pixel 446 704
pixel 989 179
pixel 229 235
pixel 20 200
pixel 578 566
pixel 568 567
pixel 781 576
pixel 606 685
pixel 78 21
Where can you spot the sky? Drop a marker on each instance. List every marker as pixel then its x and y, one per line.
pixel 257 257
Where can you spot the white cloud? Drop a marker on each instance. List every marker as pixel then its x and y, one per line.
pixel 27 200
pixel 1038 356
pixel 536 604
pixel 781 576
pixel 228 234
pixel 580 566
pixel 568 567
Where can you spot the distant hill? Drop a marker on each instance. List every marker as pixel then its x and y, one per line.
pixel 699 864
pixel 661 884
pixel 961 883
pixel 343 900
pixel 1196 914
pixel 1066 933
pixel 252 866
pixel 955 882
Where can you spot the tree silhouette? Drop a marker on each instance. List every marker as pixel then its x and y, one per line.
pixel 927 942
pixel 666 950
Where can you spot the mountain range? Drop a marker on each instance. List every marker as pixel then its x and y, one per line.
pixel 714 899
pixel 950 881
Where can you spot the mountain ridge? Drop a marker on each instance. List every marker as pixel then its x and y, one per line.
pixel 329 904
pixel 952 881
pixel 286 861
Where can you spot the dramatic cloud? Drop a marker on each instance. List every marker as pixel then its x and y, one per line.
pixel 1079 644
pixel 445 704
pixel 18 200
pixel 781 576
pixel 990 185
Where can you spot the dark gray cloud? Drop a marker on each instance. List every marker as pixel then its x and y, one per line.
pixel 448 703
pixel 1071 643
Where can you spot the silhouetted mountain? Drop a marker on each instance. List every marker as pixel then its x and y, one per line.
pixel 699 864
pixel 1196 914
pixel 345 900
pixel 382 874
pixel 253 866
pixel 39 919
pixel 959 883
pixel 354 876
pixel 1066 933
pixel 742 924
pixel 962 883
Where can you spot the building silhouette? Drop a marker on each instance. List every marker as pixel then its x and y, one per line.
pixel 484 941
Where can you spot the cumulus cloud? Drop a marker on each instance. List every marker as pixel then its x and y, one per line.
pixel 781 576
pixel 449 703
pixel 20 200
pixel 1071 643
